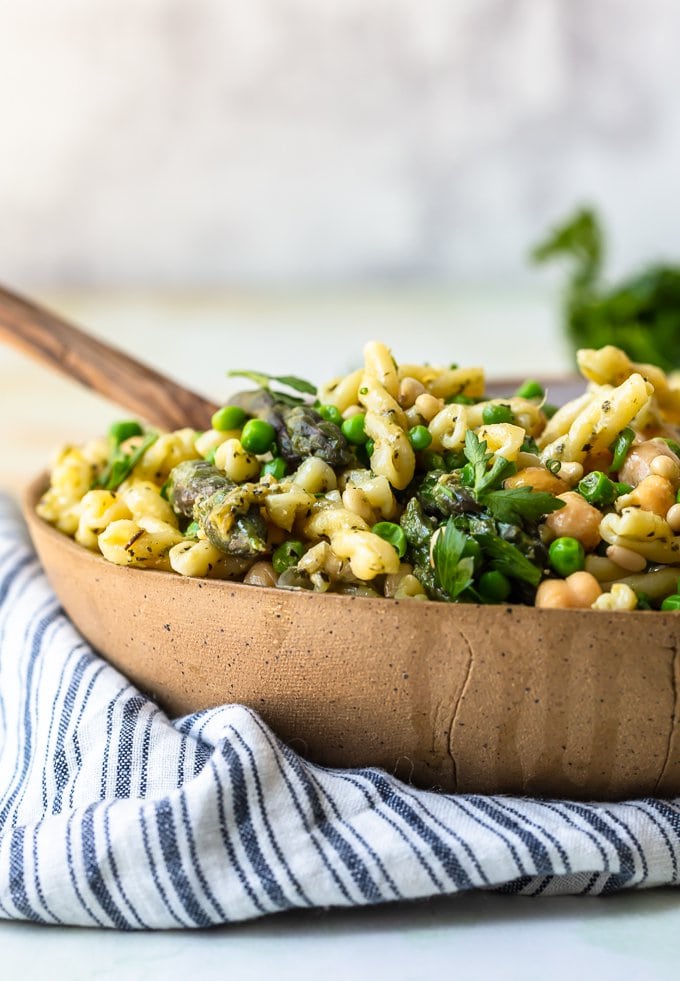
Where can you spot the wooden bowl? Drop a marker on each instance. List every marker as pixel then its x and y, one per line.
pixel 483 699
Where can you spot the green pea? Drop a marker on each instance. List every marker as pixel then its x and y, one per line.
pixel 620 448
pixel 394 534
pixel 369 447
pixel 228 417
pixel 494 587
pixel 287 554
pixel 419 437
pixel 530 390
pixel 275 467
pixel 354 429
pixel 671 602
pixel 492 414
pixel 330 413
pixel 566 556
pixel 461 400
pixel 120 431
pixel 257 436
pixel 597 488
pixel 473 549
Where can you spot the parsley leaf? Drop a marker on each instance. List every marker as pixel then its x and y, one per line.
pixel 508 559
pixel 518 504
pixel 452 572
pixel 485 479
pixel 262 379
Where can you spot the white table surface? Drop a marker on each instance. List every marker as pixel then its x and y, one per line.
pixel 196 338
pixel 481 937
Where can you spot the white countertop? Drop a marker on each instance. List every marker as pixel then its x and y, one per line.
pixel 196 338
pixel 480 937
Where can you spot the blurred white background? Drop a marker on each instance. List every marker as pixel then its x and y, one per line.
pixel 307 142
pixel 270 183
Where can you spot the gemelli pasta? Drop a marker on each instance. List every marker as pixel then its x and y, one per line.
pixel 401 481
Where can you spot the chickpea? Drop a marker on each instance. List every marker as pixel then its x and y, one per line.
pixel 577 519
pixel 409 390
pixel 584 589
pixel 578 591
pixel 653 493
pixel 428 406
pixel 261 574
pixel 539 479
pixel 553 594
pixel 663 466
pixel 673 518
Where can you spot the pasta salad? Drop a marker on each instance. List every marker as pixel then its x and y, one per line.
pixel 403 481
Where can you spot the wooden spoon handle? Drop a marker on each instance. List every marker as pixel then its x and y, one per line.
pixel 99 366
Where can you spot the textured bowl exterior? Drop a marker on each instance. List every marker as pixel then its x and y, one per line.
pixel 480 699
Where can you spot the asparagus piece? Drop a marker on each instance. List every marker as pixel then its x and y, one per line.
pixel 228 514
pixel 300 430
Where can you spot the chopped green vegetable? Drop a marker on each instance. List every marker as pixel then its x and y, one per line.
pixel 671 602
pixel 620 448
pixel 598 489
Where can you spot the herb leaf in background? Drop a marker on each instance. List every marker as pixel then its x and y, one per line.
pixel 641 314
pixel 262 379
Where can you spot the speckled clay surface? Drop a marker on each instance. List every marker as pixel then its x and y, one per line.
pixel 460 697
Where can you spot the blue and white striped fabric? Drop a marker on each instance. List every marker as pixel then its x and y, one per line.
pixel 113 815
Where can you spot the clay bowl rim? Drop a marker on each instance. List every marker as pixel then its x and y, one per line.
pixel 36 487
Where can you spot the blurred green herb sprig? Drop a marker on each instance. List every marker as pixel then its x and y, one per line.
pixel 640 314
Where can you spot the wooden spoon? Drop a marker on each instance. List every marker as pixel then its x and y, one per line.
pixel 99 366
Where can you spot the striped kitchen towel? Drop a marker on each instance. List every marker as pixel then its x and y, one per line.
pixel 113 815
